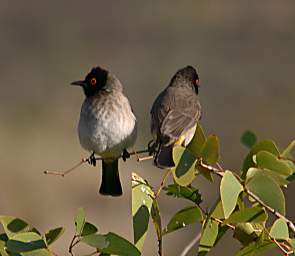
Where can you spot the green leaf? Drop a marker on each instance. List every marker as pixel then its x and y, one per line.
pixel 266 145
pixel 184 171
pixel 279 179
pixel 89 229
pixel 2 247
pixel 24 242
pixel 96 241
pixel 255 214
pixel 217 211
pixel 267 160
pixel 267 190
pixel 142 200
pixel 245 233
pixel 53 235
pixel 13 225
pixel 210 150
pixel 230 188
pixel 292 243
pixel 279 230
pixel 189 193
pixel 248 139
pixel 79 220
pixel 290 164
pixel 288 150
pixel 182 218
pixel 208 237
pixel 119 246
pixel 196 144
pixel 38 252
pixel 256 248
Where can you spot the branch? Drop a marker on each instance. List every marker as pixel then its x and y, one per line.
pixel 163 181
pixel 199 235
pixel 273 211
pixel 72 244
pixel 134 152
pixel 220 173
pixel 281 245
pixel 90 160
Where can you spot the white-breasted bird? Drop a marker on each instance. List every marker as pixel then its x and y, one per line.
pixel 107 125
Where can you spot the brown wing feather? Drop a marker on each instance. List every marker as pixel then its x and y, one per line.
pixel 174 112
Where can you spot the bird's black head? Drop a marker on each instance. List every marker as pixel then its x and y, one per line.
pixel 93 82
pixel 187 75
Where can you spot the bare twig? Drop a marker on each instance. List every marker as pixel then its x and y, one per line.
pixel 64 173
pixel 87 160
pixel 144 158
pixel 160 251
pixel 163 181
pixel 191 244
pixel 73 243
pixel 211 168
pixel 286 249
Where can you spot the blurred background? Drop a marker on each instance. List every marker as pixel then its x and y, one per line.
pixel 245 55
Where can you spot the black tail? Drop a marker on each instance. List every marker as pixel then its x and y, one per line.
pixel 164 157
pixel 110 183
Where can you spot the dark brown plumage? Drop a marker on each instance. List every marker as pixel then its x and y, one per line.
pixel 174 114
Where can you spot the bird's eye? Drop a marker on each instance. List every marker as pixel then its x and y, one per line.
pixel 197 82
pixel 93 81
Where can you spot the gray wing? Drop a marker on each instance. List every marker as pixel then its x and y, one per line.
pixel 174 112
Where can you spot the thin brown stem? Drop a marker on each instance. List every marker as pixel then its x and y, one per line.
pixel 141 159
pixel 87 160
pixel 64 173
pixel 72 244
pixel 160 251
pixel 287 250
pixel 163 181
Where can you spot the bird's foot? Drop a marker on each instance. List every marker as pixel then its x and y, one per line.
pixel 92 160
pixel 125 155
pixel 152 147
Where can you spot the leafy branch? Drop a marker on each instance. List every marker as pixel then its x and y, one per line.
pixel 242 207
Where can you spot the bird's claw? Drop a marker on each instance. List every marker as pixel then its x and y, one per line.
pixel 92 160
pixel 152 147
pixel 125 155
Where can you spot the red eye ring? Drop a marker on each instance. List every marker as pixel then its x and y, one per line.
pixel 93 81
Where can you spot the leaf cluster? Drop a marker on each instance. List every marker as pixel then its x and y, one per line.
pixel 247 199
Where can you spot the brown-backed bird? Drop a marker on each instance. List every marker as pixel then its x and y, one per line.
pixel 175 114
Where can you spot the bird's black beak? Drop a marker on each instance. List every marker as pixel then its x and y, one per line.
pixel 79 83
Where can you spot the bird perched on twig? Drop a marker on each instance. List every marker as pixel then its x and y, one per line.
pixel 174 115
pixel 107 125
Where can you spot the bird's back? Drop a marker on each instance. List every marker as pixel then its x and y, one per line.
pixel 174 111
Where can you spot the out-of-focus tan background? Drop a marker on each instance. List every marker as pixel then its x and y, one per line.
pixel 245 54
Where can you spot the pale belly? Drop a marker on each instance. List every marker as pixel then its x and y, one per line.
pixel 107 133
